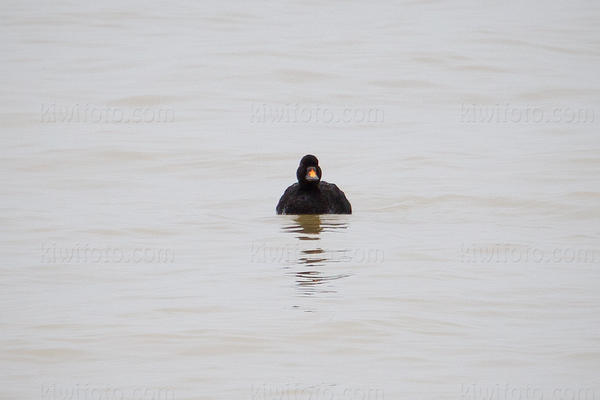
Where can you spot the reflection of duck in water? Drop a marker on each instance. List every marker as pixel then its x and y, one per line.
pixel 310 227
pixel 310 195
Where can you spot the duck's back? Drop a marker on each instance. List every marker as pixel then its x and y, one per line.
pixel 338 203
pixel 327 199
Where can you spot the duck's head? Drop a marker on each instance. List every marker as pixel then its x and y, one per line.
pixel 309 173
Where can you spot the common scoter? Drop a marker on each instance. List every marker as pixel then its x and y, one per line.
pixel 311 195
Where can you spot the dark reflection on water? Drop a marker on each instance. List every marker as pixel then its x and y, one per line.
pixel 313 257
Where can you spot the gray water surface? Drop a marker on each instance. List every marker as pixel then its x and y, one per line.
pixel 146 144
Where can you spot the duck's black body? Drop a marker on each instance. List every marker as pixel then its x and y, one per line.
pixel 327 198
pixel 311 195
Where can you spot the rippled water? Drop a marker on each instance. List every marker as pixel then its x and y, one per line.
pixel 145 146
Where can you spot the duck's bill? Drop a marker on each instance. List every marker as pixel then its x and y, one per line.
pixel 311 174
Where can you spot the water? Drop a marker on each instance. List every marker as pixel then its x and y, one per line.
pixel 145 260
